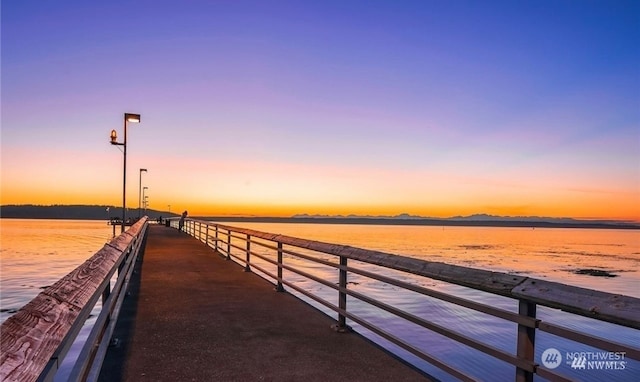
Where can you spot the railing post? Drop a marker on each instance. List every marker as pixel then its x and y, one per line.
pixel 216 244
pixel 247 268
pixel 199 231
pixel 106 292
pixel 279 287
pixel 206 235
pixel 228 244
pixel 342 297
pixel 526 341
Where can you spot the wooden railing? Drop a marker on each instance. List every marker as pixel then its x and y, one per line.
pixel 36 339
pixel 527 294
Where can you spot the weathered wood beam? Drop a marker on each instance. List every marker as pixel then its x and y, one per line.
pixel 30 338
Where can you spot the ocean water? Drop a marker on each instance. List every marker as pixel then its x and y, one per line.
pixel 36 253
pixel 548 254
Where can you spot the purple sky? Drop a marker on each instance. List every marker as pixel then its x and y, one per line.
pixel 436 108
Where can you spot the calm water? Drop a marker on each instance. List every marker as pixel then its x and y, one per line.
pixel 550 254
pixel 36 253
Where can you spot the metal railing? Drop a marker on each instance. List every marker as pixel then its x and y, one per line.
pixel 239 244
pixel 36 339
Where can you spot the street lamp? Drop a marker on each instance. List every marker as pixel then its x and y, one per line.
pixel 133 118
pixel 140 190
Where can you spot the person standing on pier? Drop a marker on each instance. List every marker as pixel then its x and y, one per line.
pixel 181 223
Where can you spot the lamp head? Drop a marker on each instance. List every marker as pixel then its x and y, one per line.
pixel 143 169
pixel 114 137
pixel 130 117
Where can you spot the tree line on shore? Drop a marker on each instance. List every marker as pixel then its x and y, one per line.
pixel 79 212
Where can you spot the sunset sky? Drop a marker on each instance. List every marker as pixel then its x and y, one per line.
pixel 433 108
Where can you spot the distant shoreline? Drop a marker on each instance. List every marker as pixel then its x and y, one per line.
pixel 422 222
pixel 97 212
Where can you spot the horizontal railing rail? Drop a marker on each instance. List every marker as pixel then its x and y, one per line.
pixel 527 293
pixel 36 339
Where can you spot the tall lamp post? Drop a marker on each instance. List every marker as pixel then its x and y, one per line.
pixel 140 190
pixel 133 118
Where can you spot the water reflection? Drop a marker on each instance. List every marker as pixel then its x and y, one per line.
pixel 37 253
pixel 549 254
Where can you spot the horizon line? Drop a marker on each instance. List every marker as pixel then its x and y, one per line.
pixel 400 216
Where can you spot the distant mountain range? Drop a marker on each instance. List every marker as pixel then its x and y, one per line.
pixel 475 220
pixel 103 212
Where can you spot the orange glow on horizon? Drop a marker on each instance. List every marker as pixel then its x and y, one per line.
pixel 267 201
pixel 259 188
pixel 619 211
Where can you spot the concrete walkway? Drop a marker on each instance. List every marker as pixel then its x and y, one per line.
pixel 193 316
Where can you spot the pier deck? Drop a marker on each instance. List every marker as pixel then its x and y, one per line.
pixel 193 316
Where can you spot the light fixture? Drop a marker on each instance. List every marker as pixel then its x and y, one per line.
pixel 114 138
pixel 133 118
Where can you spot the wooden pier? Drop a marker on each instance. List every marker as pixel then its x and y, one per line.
pixel 187 305
pixel 193 316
